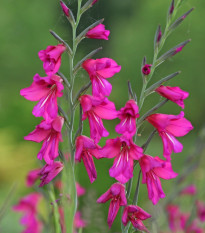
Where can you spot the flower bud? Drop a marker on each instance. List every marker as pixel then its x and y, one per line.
pixel 65 9
pixel 146 69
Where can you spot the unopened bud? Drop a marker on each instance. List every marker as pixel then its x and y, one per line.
pixel 171 9
pixel 146 69
pixel 65 9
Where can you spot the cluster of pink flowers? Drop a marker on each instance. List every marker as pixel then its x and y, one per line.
pixel 96 108
pixel 123 148
pixel 183 221
pixel 28 206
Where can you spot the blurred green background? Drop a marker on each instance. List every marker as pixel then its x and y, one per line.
pixel 25 30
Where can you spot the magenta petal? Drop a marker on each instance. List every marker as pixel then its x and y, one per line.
pixel 122 168
pixel 112 213
pixel 101 86
pixel 106 110
pixel 90 167
pixel 37 135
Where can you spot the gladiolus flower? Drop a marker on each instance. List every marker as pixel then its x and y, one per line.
pixel 49 172
pixel 28 205
pixel 80 190
pixel 118 198
pixel 152 170
pixel 65 9
pixel 189 190
pixel 174 94
pixel 51 58
pixel 125 152
pixel 85 149
pixel 174 216
pixel 98 32
pixel 99 70
pixel 45 90
pixel 32 176
pixel 78 221
pixel 146 69
pixel 50 133
pixel 128 116
pixel 200 210
pixel 96 109
pixel 169 127
pixel 135 215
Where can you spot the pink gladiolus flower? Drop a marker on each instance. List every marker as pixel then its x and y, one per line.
pixel 152 170
pixel 49 172
pixel 146 69
pixel 80 190
pixel 85 149
pixel 65 9
pixel 99 70
pixel 78 221
pixel 174 216
pixel 125 152
pixel 200 210
pixel 128 116
pixel 135 215
pixel 118 198
pixel 32 176
pixel 50 133
pixel 98 32
pixel 45 90
pixel 174 94
pixel 28 205
pixel 96 109
pixel 189 190
pixel 51 58
pixel 169 127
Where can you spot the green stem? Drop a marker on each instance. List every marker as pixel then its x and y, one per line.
pixel 135 200
pixel 55 209
pixel 70 206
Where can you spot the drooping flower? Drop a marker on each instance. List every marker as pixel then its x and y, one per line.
pixel 169 127
pixel 46 90
pixel 50 134
pixel 174 94
pixel 96 109
pixel 65 8
pixel 28 206
pixel 32 176
pixel 146 69
pixel 49 172
pixel 78 221
pixel 174 217
pixel 99 70
pixel 200 206
pixel 98 32
pixel 116 193
pixel 125 152
pixel 135 215
pixel 51 58
pixel 189 190
pixel 80 189
pixel 128 116
pixel 153 169
pixel 85 150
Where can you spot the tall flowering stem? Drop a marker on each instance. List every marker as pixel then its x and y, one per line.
pixel 69 171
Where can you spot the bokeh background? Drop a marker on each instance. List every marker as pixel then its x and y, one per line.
pixel 25 30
